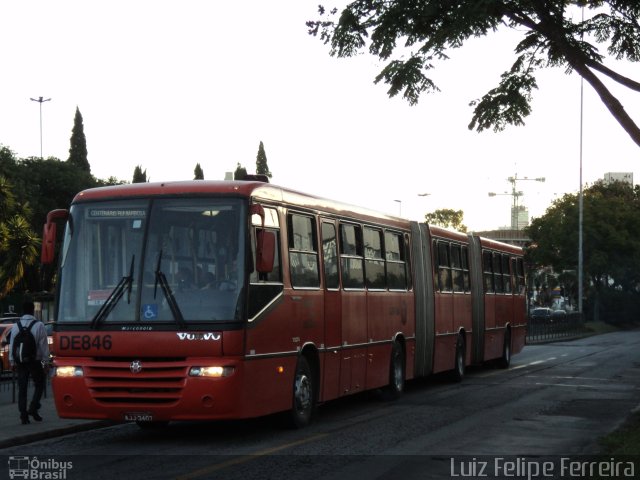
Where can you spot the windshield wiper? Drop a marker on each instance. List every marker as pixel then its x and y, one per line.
pixel 115 296
pixel 168 293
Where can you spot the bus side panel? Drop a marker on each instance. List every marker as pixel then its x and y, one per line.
pixel 489 325
pixel 519 328
pixel 274 341
pixel 331 358
pixel 443 358
pixel 463 320
pixel 388 312
pixel 445 351
pixel 265 389
pixel 444 313
pixel 353 368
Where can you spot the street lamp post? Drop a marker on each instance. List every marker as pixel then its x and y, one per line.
pixel 400 207
pixel 40 100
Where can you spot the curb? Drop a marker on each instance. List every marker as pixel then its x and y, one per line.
pixel 57 432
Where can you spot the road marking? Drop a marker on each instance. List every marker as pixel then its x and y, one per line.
pixel 246 458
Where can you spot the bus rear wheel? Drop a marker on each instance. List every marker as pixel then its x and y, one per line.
pixel 303 395
pixel 395 388
pixel 459 367
pixel 505 360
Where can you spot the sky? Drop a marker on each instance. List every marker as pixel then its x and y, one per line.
pixel 167 84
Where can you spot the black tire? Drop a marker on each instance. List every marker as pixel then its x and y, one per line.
pixel 304 395
pixel 505 360
pixel 394 390
pixel 459 367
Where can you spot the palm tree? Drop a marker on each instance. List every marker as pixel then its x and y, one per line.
pixel 18 243
pixel 20 249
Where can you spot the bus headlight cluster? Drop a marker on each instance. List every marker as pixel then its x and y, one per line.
pixel 212 371
pixel 69 371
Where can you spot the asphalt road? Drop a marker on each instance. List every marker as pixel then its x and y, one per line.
pixel 554 402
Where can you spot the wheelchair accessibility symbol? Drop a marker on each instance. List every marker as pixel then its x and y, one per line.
pixel 150 311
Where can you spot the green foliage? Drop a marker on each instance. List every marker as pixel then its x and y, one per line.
pixel 78 148
pixel 48 184
pixel 138 175
pixel 198 174
pixel 18 243
pixel 410 36
pixel 611 236
pixel 447 218
pixel 29 189
pixel 261 162
pixel 240 173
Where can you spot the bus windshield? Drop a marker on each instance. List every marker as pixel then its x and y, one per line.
pixel 173 261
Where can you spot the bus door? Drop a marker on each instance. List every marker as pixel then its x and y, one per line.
pixel 332 312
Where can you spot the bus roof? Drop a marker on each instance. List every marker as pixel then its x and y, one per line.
pixel 268 193
pixel 264 191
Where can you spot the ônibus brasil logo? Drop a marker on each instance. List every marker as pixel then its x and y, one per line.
pixel 35 468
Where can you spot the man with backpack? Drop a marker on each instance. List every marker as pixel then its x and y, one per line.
pixel 28 350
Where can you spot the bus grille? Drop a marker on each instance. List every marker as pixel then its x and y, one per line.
pixel 136 381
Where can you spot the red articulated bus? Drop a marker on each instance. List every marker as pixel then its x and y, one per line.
pixel 217 300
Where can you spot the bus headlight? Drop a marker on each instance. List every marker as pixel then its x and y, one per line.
pixel 214 371
pixel 69 371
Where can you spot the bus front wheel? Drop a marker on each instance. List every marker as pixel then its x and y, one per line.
pixel 303 395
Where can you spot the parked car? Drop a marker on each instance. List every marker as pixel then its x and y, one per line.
pixel 540 315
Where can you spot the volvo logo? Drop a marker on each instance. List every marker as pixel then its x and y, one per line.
pixel 136 366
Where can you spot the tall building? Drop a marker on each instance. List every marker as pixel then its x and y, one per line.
pixel 519 217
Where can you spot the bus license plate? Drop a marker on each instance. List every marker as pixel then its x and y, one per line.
pixel 138 417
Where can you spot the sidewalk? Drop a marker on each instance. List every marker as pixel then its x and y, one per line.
pixel 13 433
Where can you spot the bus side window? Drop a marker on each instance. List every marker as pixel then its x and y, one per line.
pixel 456 268
pixel 351 256
pixel 396 257
pixel 487 268
pixel 374 263
pixel 497 272
pixel 522 287
pixel 465 269
pixel 506 274
pixel 444 267
pixel 303 251
pixel 330 255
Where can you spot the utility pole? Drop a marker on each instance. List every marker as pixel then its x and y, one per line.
pixel 40 100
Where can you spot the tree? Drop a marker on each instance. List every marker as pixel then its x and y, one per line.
pixel 138 175
pixel 240 173
pixel 611 237
pixel 261 162
pixel 447 218
pixel 78 148
pixel 411 35
pixel 198 174
pixel 18 243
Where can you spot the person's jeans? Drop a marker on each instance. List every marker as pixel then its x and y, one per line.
pixel 36 372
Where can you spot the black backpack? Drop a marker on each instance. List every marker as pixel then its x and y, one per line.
pixel 24 344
